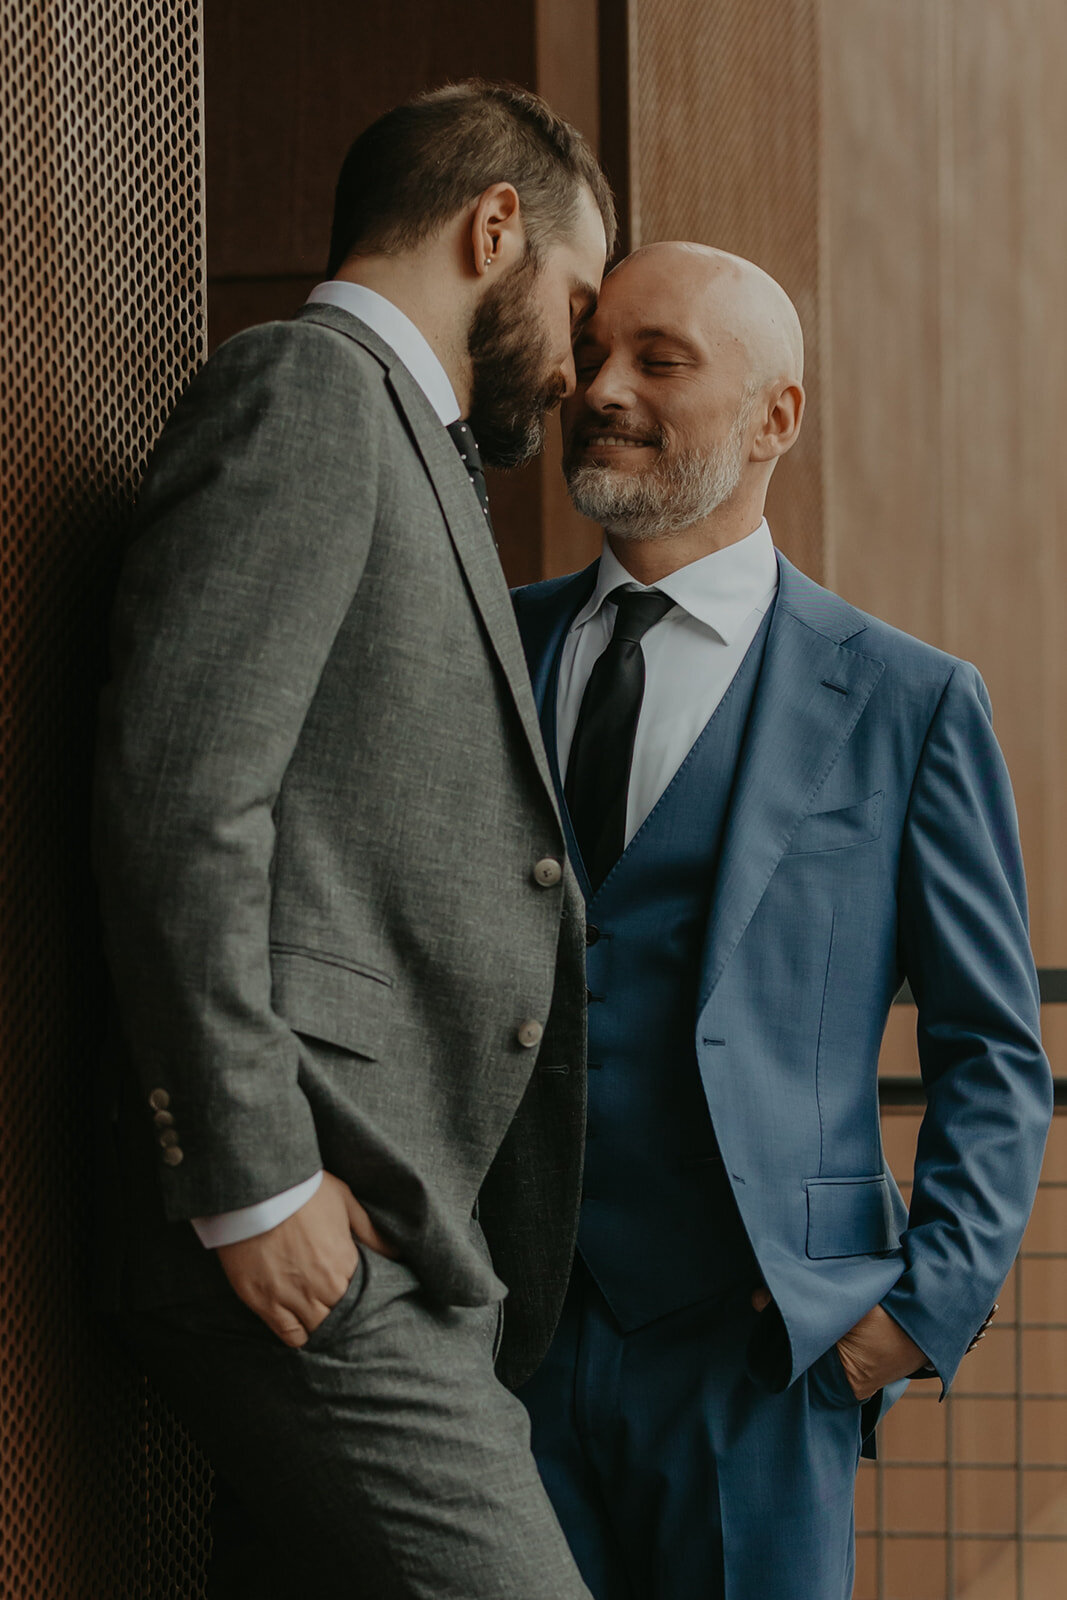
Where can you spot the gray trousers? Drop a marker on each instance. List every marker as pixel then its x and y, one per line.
pixel 381 1461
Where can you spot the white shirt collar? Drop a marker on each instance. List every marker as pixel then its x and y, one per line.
pixel 720 589
pixel 400 334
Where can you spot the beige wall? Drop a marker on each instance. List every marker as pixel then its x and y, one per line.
pixel 944 247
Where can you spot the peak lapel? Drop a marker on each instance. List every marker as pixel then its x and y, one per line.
pixel 797 728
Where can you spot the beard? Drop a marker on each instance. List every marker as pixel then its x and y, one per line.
pixel 676 492
pixel 513 386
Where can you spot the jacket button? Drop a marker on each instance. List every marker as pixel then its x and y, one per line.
pixel 529 1034
pixel 159 1099
pixel 548 872
pixel 173 1156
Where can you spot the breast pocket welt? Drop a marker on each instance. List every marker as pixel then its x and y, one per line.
pixel 840 829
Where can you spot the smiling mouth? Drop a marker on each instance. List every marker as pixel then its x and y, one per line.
pixel 615 441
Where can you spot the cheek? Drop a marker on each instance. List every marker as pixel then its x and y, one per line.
pixel 569 412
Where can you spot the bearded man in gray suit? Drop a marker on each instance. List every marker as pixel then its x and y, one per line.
pixel 346 944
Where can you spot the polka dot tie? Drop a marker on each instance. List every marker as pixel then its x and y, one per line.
pixel 465 443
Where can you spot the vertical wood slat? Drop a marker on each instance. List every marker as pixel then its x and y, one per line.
pixel 725 150
pixel 568 76
pixel 946 230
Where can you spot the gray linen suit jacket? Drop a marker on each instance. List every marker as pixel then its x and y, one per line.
pixel 321 794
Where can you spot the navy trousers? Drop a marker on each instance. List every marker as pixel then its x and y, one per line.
pixel 676 1476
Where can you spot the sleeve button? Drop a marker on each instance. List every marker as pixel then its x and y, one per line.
pixel 173 1156
pixel 159 1099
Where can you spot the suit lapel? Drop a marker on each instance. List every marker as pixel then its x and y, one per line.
pixel 466 523
pixel 543 640
pixel 812 692
pixel 544 624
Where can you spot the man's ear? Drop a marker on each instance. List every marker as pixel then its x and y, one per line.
pixel 784 409
pixel 497 232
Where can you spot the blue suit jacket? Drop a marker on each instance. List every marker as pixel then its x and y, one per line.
pixel 871 837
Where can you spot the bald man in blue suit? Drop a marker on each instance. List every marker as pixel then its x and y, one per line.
pixel 779 810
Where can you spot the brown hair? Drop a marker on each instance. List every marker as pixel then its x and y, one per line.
pixel 414 168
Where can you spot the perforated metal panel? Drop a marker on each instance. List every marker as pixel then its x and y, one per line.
pixel 101 248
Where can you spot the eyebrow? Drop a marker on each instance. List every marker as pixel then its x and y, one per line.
pixel 672 335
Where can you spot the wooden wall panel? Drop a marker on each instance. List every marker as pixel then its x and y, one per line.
pixel 288 89
pixel 568 75
pixel 884 457
pixel 724 117
pixel 945 230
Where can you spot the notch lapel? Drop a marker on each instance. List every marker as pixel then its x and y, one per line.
pixel 466 522
pixel 468 529
pixel 811 694
pixel 543 627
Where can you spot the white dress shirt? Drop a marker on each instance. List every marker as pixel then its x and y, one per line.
pixel 691 656
pixel 401 335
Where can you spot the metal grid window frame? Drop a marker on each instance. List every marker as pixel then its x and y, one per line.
pixel 1002 1429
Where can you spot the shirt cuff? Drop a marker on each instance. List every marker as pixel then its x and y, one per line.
pixel 230 1227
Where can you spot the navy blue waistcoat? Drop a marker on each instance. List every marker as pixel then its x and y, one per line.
pixel 659 1227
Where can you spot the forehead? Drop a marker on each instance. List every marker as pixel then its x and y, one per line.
pixel 644 298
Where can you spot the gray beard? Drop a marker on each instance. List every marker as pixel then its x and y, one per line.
pixel 671 497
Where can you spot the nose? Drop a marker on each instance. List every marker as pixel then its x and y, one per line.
pixel 610 388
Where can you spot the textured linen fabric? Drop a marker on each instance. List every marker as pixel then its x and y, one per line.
pixel 382 1460
pixel 321 799
pixel 401 335
pixel 317 819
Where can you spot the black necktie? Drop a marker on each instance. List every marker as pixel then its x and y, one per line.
pixel 602 751
pixel 464 441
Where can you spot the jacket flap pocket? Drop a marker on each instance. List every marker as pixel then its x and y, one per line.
pixel 849 1217
pixel 837 830
pixel 332 998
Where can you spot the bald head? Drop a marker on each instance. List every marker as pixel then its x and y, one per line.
pixel 688 394
pixel 725 297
